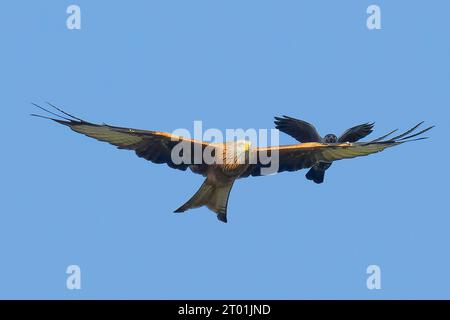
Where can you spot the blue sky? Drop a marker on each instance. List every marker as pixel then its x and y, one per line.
pixel 160 65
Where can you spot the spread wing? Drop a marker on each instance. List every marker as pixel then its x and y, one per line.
pixel 305 155
pixel 298 129
pixel 356 133
pixel 151 145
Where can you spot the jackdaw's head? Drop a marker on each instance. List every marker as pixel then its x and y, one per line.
pixel 330 138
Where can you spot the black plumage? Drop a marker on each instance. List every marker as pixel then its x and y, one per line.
pixel 304 132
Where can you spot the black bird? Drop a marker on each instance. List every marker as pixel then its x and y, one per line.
pixel 305 132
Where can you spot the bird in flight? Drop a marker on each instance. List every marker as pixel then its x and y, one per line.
pixel 303 131
pixel 223 163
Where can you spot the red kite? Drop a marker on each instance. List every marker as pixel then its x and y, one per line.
pixel 223 163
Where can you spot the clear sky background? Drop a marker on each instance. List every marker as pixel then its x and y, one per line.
pixel 67 199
